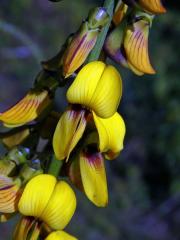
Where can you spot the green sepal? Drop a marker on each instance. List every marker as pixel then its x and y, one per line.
pixel 98 18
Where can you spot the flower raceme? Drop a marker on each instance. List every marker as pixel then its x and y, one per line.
pixel 53 206
pixel 95 93
pixel 26 110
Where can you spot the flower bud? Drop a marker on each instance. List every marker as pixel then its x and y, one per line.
pixel 98 18
pixel 119 13
pixel 136 42
pixel 10 192
pixel 83 41
pixel 26 110
pixel 114 42
pixel 78 50
pixel 18 155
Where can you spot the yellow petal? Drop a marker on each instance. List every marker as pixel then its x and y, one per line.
pixel 98 87
pixel 9 194
pixel 84 85
pixel 111 134
pixel 61 206
pixel 136 46
pixel 154 6
pixel 26 110
pixel 78 50
pixel 73 172
pixel 60 235
pixel 36 195
pixel 35 232
pixel 93 176
pixel 16 138
pixel 69 130
pixel 23 228
pixel 135 70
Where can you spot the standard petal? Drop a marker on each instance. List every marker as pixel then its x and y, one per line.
pixel 153 6
pixel 61 206
pixel 84 85
pixel 108 92
pixel 9 194
pixel 60 235
pixel 93 176
pixel 69 130
pixel 26 110
pixel 97 87
pixel 36 195
pixel 136 46
pixel 111 134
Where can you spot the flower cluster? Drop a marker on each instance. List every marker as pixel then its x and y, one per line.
pixel 78 140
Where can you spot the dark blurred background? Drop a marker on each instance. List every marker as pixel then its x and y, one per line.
pixel 144 182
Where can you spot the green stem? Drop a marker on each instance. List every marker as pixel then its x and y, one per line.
pixel 55 166
pixel 94 55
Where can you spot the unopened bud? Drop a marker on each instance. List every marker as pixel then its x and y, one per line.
pixel 98 18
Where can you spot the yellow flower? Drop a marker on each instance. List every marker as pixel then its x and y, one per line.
pixel 45 200
pixel 60 235
pixel 98 87
pixel 136 44
pixel 26 110
pixel 87 170
pixel 96 91
pixel 111 133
